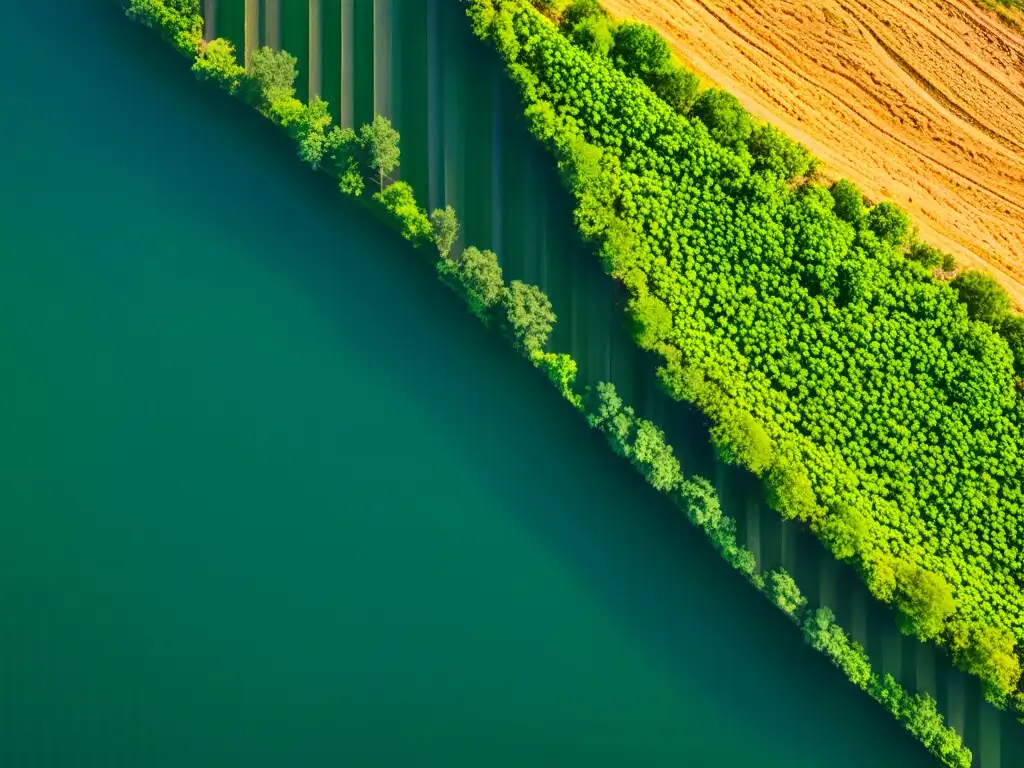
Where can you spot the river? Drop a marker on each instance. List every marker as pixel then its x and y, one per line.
pixel 272 498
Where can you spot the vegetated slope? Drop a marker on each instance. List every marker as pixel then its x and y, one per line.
pixel 841 372
pixel 917 101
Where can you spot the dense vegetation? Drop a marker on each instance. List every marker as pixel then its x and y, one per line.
pixel 524 315
pixel 879 407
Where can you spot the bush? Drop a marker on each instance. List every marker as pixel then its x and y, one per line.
pixel 271 77
pixel 699 500
pixel 177 22
pixel 790 493
pixel 1011 328
pixel 579 10
pixel 847 532
pixel 399 201
pixel 639 50
pixel 594 35
pixel 785 593
pixel 446 229
pixel 776 153
pixel 925 255
pixel 216 61
pixel 654 458
pixel 849 203
pixel 561 369
pixel 528 316
pixel 984 297
pixel 740 439
pixel 725 118
pixel 480 280
pixel 925 600
pixel 889 223
pixel 677 87
pixel 651 321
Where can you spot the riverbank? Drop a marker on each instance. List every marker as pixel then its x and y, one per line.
pixel 647 449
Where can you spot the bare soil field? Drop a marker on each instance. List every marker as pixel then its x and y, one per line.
pixel 917 101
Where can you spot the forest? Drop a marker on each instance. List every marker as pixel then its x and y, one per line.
pixel 878 400
pixel 362 162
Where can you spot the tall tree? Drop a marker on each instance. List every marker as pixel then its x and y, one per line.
pixel 271 76
pixel 529 315
pixel 381 143
pixel 482 281
pixel 446 229
pixel 985 298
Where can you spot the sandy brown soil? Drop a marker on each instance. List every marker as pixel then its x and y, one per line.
pixel 917 101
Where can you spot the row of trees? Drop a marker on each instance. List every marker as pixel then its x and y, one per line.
pixel 525 316
pixel 843 373
pixel 642 443
pixel 639 51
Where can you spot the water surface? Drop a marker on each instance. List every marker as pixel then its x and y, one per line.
pixel 271 498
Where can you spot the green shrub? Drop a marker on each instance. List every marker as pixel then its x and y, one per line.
pixel 399 201
pixel 216 61
pixel 775 152
pixel 725 118
pixel 889 223
pixel 984 297
pixel 639 50
pixel 529 317
pixel 849 203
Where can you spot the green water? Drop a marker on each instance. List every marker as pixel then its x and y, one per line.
pixel 271 498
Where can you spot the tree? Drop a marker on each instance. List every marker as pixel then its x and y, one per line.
pixel 561 369
pixel 216 61
pixel 846 530
pixel 727 121
pixel 314 133
pixel 606 411
pixel 740 439
pixel 580 10
pixel 926 601
pixel 184 7
pixel 381 143
pixel 651 320
pixel 990 655
pixel 343 149
pixel 271 76
pixel 925 254
pixel 785 593
pixel 399 201
pixel 551 6
pixel 639 50
pixel 1011 328
pixel 790 492
pixel 775 152
pixel 677 87
pixel 985 298
pixel 890 223
pixel 654 458
pixel 528 315
pixel 482 282
pixel 446 229
pixel 849 202
pixel 699 500
pixel 594 35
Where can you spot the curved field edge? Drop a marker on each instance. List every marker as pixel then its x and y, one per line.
pixel 840 371
pixel 917 102
pixel 523 315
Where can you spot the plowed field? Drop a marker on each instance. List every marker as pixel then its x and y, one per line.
pixel 917 101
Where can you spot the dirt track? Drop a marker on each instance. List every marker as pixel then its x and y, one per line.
pixel 918 101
